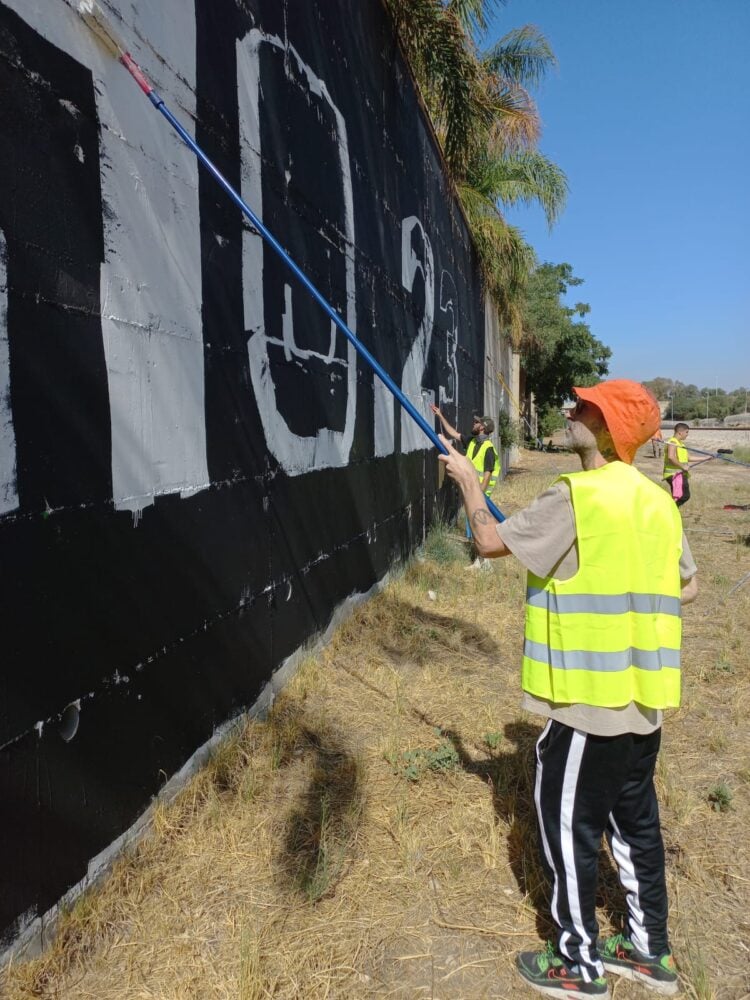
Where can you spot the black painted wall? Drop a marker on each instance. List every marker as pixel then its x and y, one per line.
pixel 158 628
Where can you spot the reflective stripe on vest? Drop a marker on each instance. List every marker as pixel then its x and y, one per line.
pixel 611 634
pixel 682 456
pixel 581 659
pixel 476 457
pixel 603 604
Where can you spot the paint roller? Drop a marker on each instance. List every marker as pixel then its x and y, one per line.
pixel 94 18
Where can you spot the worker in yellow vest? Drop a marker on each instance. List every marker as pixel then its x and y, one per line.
pixel 609 568
pixel 677 463
pixel 481 453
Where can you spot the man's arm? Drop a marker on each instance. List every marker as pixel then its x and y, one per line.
pixel 484 482
pixel 486 539
pixel 689 590
pixel 447 428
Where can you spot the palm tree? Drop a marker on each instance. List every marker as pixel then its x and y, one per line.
pixel 488 126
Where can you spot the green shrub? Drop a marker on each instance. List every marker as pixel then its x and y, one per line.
pixel 508 430
pixel 721 797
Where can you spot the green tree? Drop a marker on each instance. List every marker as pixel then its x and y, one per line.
pixel 559 350
pixel 660 387
pixel 688 402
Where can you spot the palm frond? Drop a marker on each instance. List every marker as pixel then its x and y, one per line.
pixel 523 56
pixel 506 259
pixel 516 123
pixel 488 125
pixel 473 14
pixel 448 72
pixel 524 178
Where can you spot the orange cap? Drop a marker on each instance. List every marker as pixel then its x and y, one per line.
pixel 630 412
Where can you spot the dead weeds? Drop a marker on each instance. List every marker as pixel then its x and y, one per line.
pixel 307 860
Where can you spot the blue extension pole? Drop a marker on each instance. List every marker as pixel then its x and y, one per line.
pixel 715 454
pixel 94 18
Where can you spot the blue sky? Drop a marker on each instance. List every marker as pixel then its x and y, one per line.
pixel 648 114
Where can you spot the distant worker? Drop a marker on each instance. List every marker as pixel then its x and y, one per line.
pixel 479 450
pixel 608 570
pixel 657 443
pixel 677 465
pixel 478 447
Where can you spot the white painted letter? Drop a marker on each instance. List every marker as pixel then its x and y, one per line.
pixel 448 365
pixel 151 276
pixel 413 437
pixel 150 280
pixel 323 447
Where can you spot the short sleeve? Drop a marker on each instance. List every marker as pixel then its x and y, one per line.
pixel 540 535
pixel 688 569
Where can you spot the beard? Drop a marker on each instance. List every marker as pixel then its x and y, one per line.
pixel 579 438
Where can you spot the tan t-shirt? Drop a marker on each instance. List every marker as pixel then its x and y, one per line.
pixel 543 538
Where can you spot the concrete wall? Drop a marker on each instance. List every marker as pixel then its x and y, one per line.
pixel 501 361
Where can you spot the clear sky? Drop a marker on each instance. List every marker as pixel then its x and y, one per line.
pixel 648 114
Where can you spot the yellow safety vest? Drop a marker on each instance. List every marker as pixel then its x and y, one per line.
pixel 682 456
pixel 611 634
pixel 476 457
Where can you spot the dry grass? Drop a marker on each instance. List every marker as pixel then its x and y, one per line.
pixel 374 837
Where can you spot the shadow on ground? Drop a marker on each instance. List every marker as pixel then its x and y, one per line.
pixel 319 832
pixel 421 635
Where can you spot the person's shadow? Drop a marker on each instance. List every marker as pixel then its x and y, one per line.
pixel 511 777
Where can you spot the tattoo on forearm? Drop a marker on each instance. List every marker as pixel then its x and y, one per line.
pixel 481 516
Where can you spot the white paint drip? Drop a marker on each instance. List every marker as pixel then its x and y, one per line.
pixel 8 482
pixel 79 154
pixel 70 108
pixel 296 454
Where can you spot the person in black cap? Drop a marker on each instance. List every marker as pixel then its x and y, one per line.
pixel 481 453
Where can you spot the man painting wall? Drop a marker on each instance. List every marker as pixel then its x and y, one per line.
pixel 608 569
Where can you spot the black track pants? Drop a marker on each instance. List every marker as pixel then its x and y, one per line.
pixel 585 786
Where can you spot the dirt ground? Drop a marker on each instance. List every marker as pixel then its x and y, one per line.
pixel 375 836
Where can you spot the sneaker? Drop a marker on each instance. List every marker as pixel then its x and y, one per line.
pixel 546 972
pixel 659 974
